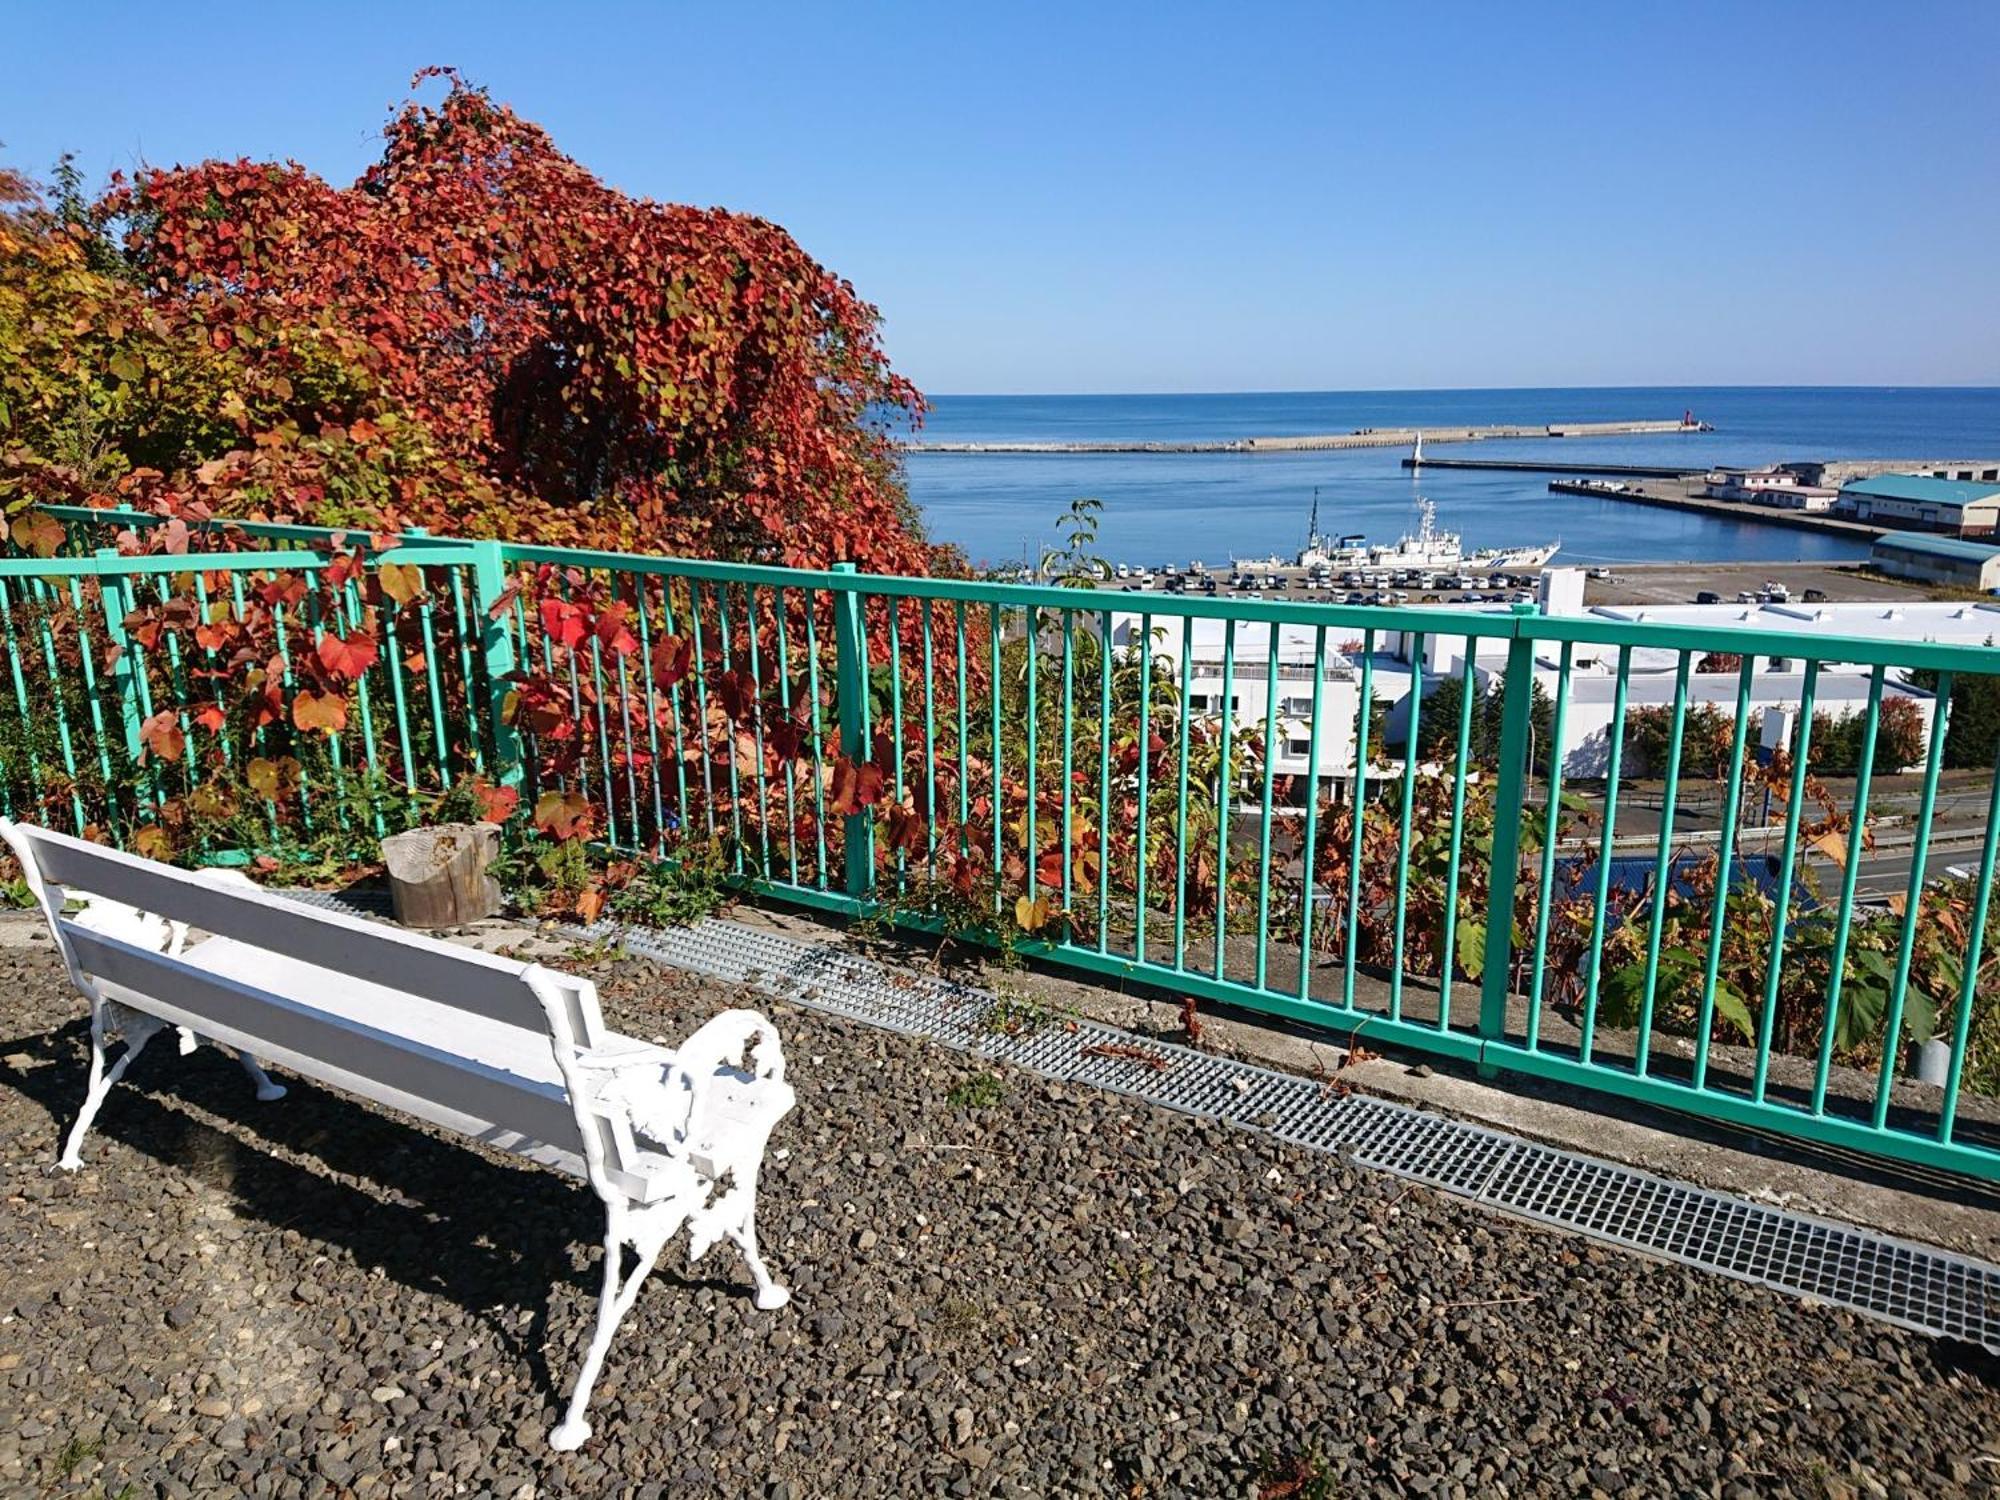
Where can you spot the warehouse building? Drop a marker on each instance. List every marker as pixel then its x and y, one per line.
pixel 1917 502
pixel 1938 559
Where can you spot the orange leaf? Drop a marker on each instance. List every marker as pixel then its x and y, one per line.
pixel 326 711
pixel 563 814
pixel 589 903
pixel 401 582
pixel 162 735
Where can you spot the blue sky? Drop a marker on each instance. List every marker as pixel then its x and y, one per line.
pixel 1101 197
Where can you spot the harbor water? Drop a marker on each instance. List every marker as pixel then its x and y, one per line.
pixel 1175 507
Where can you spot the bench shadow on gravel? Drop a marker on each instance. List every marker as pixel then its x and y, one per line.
pixel 433 1215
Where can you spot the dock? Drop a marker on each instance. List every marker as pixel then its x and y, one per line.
pixel 1367 437
pixel 1723 510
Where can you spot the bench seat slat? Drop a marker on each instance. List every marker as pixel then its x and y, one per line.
pixel 462 978
pixel 254 1018
pixel 460 1033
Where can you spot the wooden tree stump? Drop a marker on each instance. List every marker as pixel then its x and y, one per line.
pixel 437 876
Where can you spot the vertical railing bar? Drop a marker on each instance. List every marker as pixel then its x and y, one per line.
pixel 1068 748
pixel 41 599
pixel 393 616
pixel 1857 832
pixel 930 752
pixel 1410 756
pixel 1180 803
pixel 782 618
pixel 1732 801
pixel 1968 990
pixel 993 627
pixel 818 732
pixel 1663 867
pixel 639 842
pixel 457 576
pixel 1782 904
pixel 1031 816
pixel 750 626
pixel 1104 785
pixel 88 657
pixel 1309 854
pixel 603 725
pixel 702 734
pixel 1468 683
pixel 674 711
pixel 177 677
pixel 1145 821
pixel 1558 725
pixel 729 759
pixel 1913 901
pixel 285 656
pixel 434 684
pixel 1614 753
pixel 1225 792
pixel 20 699
pixel 964 735
pixel 645 612
pixel 1360 805
pixel 1264 822
pixel 349 609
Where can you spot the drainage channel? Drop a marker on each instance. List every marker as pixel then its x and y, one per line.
pixel 1897 1281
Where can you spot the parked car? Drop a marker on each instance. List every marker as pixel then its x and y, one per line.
pixel 1708 596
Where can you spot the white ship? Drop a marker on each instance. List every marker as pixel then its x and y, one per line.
pixel 1512 559
pixel 1427 550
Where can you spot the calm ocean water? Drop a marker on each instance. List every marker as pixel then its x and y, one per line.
pixel 1161 507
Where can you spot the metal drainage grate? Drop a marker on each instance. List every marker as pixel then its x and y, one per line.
pixel 1913 1286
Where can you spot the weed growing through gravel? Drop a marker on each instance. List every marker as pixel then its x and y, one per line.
pixel 957 1317
pixel 1017 1015
pixel 981 1091
pixel 1297 1476
pixel 75 1453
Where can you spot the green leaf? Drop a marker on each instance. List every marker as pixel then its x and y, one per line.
pixel 1733 1008
pixel 1471 946
pixel 127 366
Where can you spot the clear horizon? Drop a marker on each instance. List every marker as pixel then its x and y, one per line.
pixel 1056 200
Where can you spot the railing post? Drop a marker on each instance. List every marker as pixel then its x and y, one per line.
pixel 850 692
pixel 1509 810
pixel 496 646
pixel 111 598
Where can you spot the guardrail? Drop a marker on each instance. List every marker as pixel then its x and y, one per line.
pixel 1024 765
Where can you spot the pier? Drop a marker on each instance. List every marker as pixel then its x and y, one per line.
pixel 1368 437
pixel 1532 466
pixel 1723 510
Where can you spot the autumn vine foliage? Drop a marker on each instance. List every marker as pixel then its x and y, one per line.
pixel 478 336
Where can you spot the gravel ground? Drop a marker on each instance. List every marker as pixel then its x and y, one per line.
pixel 1007 1289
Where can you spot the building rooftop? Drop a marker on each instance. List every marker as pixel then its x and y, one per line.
pixel 1923 489
pixel 1940 546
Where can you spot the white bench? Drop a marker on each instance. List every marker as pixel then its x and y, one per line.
pixel 508 1053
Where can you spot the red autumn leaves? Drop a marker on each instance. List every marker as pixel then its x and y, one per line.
pixel 428 342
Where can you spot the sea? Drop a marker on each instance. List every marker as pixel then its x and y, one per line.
pixel 1176 508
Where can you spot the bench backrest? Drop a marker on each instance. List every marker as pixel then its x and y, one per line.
pixel 560 1009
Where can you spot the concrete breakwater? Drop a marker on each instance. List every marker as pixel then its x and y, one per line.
pixel 1679 495
pixel 1371 437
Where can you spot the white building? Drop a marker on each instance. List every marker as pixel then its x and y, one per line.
pixel 1777 682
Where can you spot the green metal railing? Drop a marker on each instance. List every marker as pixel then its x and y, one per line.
pixel 1142 788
